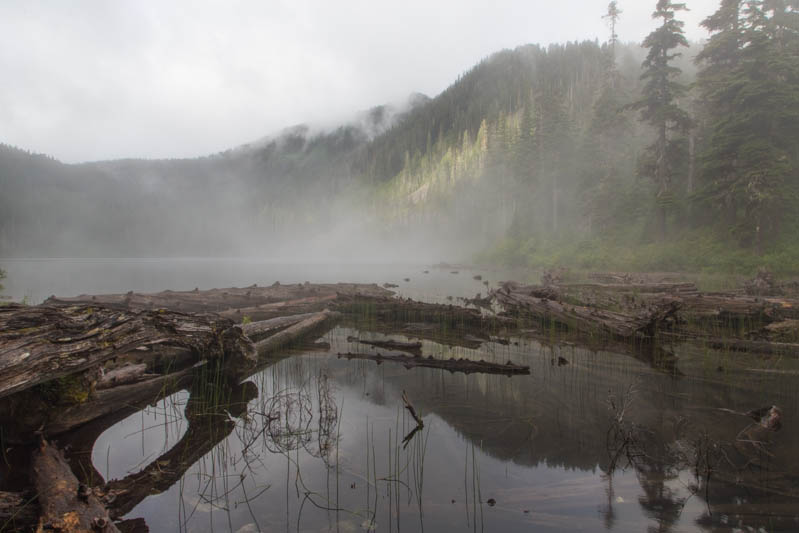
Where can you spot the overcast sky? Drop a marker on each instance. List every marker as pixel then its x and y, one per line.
pixel 99 79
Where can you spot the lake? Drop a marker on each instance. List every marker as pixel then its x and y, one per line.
pixel 590 440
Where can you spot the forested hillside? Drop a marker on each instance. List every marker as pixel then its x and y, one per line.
pixel 243 201
pixel 585 154
pixel 665 155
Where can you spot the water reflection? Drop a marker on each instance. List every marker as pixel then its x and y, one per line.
pixel 590 440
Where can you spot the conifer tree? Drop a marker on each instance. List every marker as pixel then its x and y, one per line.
pixel 659 103
pixel 749 82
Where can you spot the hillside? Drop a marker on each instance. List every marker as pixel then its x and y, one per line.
pixel 241 201
pixel 536 156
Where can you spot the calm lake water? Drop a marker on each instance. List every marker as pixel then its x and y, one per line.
pixel 591 440
pixel 36 279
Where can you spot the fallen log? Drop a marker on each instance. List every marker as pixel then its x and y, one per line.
pixel 407 403
pixel 784 331
pixel 24 413
pixel 133 525
pixel 223 301
pixel 254 330
pixel 732 344
pixel 467 366
pixel 729 309
pixel 111 400
pixel 543 303
pixel 292 333
pixel 46 342
pixel 644 288
pixel 124 375
pixel 65 505
pixel 311 304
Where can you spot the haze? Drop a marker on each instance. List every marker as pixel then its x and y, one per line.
pixel 96 80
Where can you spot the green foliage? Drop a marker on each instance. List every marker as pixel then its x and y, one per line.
pixel 2 277
pixel 67 390
pixel 749 83
pixel 534 154
pixel 659 104
pixel 698 251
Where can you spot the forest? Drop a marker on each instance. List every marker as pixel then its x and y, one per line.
pixel 566 287
pixel 664 155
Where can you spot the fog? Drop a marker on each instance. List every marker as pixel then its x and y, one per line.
pixel 312 132
pixel 98 81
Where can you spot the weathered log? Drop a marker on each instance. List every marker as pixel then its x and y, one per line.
pixel 467 366
pixel 111 400
pixel 726 309
pixel 630 278
pixel 783 331
pixel 223 300
pixel 45 342
pixel 292 333
pixel 643 288
pixel 733 344
pixel 65 505
pixel 255 330
pixel 133 525
pixel 18 512
pixel 542 303
pixel 409 406
pixel 24 413
pixel 311 304
pixel 124 375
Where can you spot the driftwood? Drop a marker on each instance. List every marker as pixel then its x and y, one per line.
pixel 467 366
pixel 256 330
pixel 124 375
pixel 292 333
pixel 133 525
pixel 544 303
pixel 65 505
pixel 250 301
pixel 46 342
pixel 112 400
pixel 419 422
pixel 407 403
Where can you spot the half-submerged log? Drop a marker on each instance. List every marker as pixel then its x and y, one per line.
pixel 547 303
pixel 65 504
pixel 467 366
pixel 259 303
pixel 45 342
pixel 293 333
pixel 256 330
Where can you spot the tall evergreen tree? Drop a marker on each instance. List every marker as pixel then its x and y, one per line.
pixel 749 82
pixel 659 103
pixel 612 16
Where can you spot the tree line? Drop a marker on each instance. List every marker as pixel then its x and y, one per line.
pixel 591 139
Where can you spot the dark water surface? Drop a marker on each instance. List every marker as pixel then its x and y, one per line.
pixel 321 448
pixel 589 441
